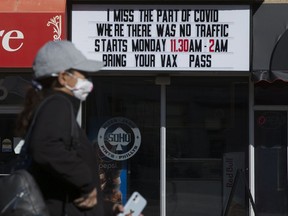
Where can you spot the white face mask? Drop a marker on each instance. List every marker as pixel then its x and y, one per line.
pixel 81 89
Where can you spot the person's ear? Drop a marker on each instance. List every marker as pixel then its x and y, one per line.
pixel 62 78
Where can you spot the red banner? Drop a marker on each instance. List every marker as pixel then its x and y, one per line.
pixel 22 34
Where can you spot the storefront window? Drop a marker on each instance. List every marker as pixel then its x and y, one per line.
pixel 275 93
pixel 207 141
pixel 12 94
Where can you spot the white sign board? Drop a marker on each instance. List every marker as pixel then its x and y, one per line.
pixel 164 37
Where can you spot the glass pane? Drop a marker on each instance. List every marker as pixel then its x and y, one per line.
pixel 207 142
pixel 271 93
pixel 117 108
pixel 271 162
pixel 7 141
pixel 13 89
pixel 12 94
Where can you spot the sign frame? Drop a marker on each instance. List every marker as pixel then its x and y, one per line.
pixel 219 39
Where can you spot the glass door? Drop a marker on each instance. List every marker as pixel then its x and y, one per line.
pixel 123 119
pixel 270 140
pixel 271 162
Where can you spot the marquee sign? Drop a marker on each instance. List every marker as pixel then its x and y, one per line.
pixel 164 37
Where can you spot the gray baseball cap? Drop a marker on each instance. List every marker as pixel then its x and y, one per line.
pixel 58 56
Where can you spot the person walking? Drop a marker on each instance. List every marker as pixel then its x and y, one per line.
pixel 67 175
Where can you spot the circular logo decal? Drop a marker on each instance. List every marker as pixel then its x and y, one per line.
pixel 119 138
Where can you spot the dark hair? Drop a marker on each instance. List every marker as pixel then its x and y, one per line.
pixel 34 95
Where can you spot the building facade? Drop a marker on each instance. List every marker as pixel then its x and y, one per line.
pixel 190 108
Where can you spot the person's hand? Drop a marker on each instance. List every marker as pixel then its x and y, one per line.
pixel 118 208
pixel 88 201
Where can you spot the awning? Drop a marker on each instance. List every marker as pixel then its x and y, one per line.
pixel 270 43
pixel 25 26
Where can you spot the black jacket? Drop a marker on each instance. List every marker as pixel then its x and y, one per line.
pixel 63 174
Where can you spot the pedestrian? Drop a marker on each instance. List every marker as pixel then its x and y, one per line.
pixel 67 177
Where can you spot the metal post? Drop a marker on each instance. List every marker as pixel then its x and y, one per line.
pixel 251 146
pixel 163 150
pixel 163 81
